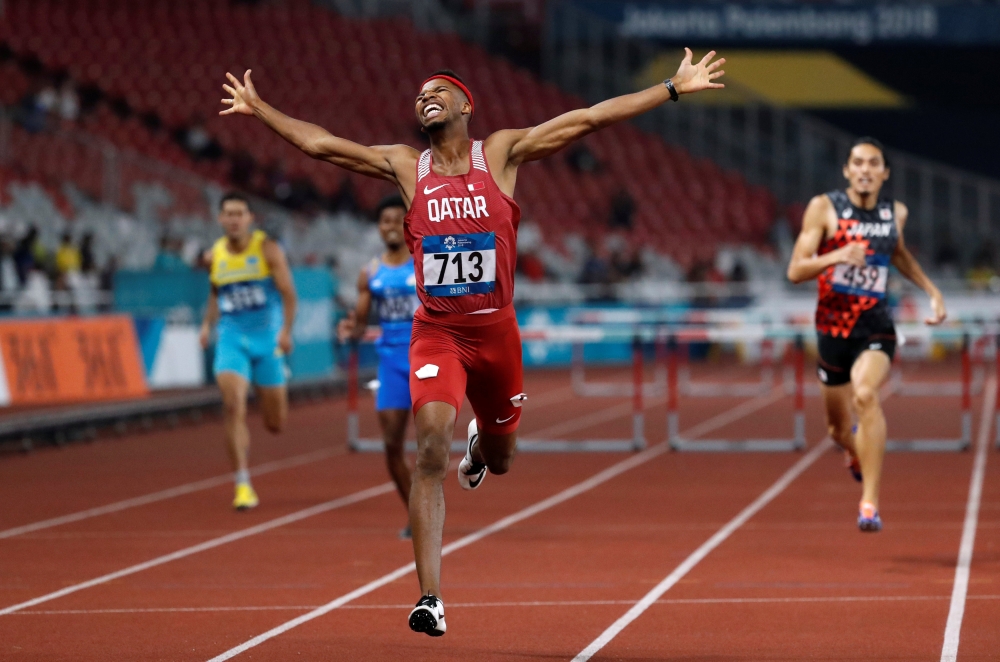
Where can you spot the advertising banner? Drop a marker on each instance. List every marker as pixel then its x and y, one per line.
pixel 50 361
pixel 820 22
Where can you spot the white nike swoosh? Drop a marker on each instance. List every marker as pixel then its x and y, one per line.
pixel 506 419
pixel 428 191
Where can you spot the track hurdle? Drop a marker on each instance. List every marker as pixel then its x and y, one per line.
pixel 636 442
pixel 964 440
pixel 796 443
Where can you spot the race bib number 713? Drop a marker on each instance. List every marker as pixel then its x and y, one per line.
pixel 459 264
pixel 867 281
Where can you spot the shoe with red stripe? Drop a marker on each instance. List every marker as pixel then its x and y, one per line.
pixel 868 519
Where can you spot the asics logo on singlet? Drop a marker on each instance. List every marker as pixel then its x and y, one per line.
pixel 438 210
pixel 428 190
pixel 870 230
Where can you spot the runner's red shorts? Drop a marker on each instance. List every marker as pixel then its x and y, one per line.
pixel 478 356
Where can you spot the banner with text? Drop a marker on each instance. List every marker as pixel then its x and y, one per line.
pixel 49 361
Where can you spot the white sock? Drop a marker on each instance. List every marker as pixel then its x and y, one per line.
pixel 242 477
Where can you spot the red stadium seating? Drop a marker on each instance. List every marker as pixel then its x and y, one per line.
pixel 359 78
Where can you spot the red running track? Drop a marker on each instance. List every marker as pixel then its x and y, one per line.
pixel 795 581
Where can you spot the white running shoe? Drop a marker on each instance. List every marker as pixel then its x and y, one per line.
pixel 428 616
pixel 470 472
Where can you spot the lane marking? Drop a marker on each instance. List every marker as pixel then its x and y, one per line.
pixel 953 629
pixel 169 493
pixel 706 548
pixel 318 509
pixel 492 605
pixel 547 397
pixel 501 524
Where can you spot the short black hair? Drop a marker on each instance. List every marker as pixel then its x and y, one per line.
pixel 387 202
pixel 233 195
pixel 446 72
pixel 868 140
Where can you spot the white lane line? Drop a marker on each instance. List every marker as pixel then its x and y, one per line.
pixel 548 397
pixel 953 629
pixel 170 493
pixel 318 509
pixel 501 524
pixel 703 551
pixel 500 605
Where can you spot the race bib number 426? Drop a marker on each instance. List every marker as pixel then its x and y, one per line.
pixel 867 281
pixel 459 264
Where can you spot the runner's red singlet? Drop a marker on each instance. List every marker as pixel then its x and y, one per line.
pixel 462 231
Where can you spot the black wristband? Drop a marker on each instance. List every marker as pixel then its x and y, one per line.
pixel 669 84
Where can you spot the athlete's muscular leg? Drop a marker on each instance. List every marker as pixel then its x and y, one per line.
pixel 496 451
pixel 838 402
pixel 393 423
pixel 273 406
pixel 435 423
pixel 867 376
pixel 234 390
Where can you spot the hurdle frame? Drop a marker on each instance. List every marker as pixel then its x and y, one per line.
pixel 636 443
pixel 678 443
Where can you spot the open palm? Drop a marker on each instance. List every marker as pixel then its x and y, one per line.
pixel 244 96
pixel 696 77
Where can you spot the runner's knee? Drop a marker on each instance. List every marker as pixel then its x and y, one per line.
pixel 865 397
pixel 432 457
pixel 234 408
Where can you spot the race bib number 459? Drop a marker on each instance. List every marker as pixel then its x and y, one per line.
pixel 867 281
pixel 459 264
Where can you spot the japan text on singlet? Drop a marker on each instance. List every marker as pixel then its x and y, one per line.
pixel 462 231
pixel 852 300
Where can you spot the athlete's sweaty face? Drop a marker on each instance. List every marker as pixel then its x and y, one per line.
pixel 390 226
pixel 235 219
pixel 438 102
pixel 865 169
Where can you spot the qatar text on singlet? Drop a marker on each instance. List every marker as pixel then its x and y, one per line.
pixel 462 231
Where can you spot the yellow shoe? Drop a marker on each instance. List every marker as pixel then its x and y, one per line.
pixel 245 498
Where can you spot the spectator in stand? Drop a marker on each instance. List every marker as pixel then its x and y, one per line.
pixel 9 280
pixel 68 259
pixel 69 102
pixel 622 208
pixel 29 253
pixel 582 160
pixel 982 275
pixel 86 284
pixel 597 273
pixel 168 258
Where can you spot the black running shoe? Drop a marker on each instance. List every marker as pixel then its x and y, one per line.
pixel 428 616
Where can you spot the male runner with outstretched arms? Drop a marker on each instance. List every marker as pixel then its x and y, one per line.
pixel 391 284
pixel 253 301
pixel 462 229
pixel 848 240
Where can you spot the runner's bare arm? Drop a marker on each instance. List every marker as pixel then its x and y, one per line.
pixel 903 260
pixel 523 145
pixel 211 317
pixel 379 161
pixel 354 325
pixel 805 264
pixel 282 276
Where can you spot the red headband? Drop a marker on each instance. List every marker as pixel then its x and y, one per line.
pixel 457 83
